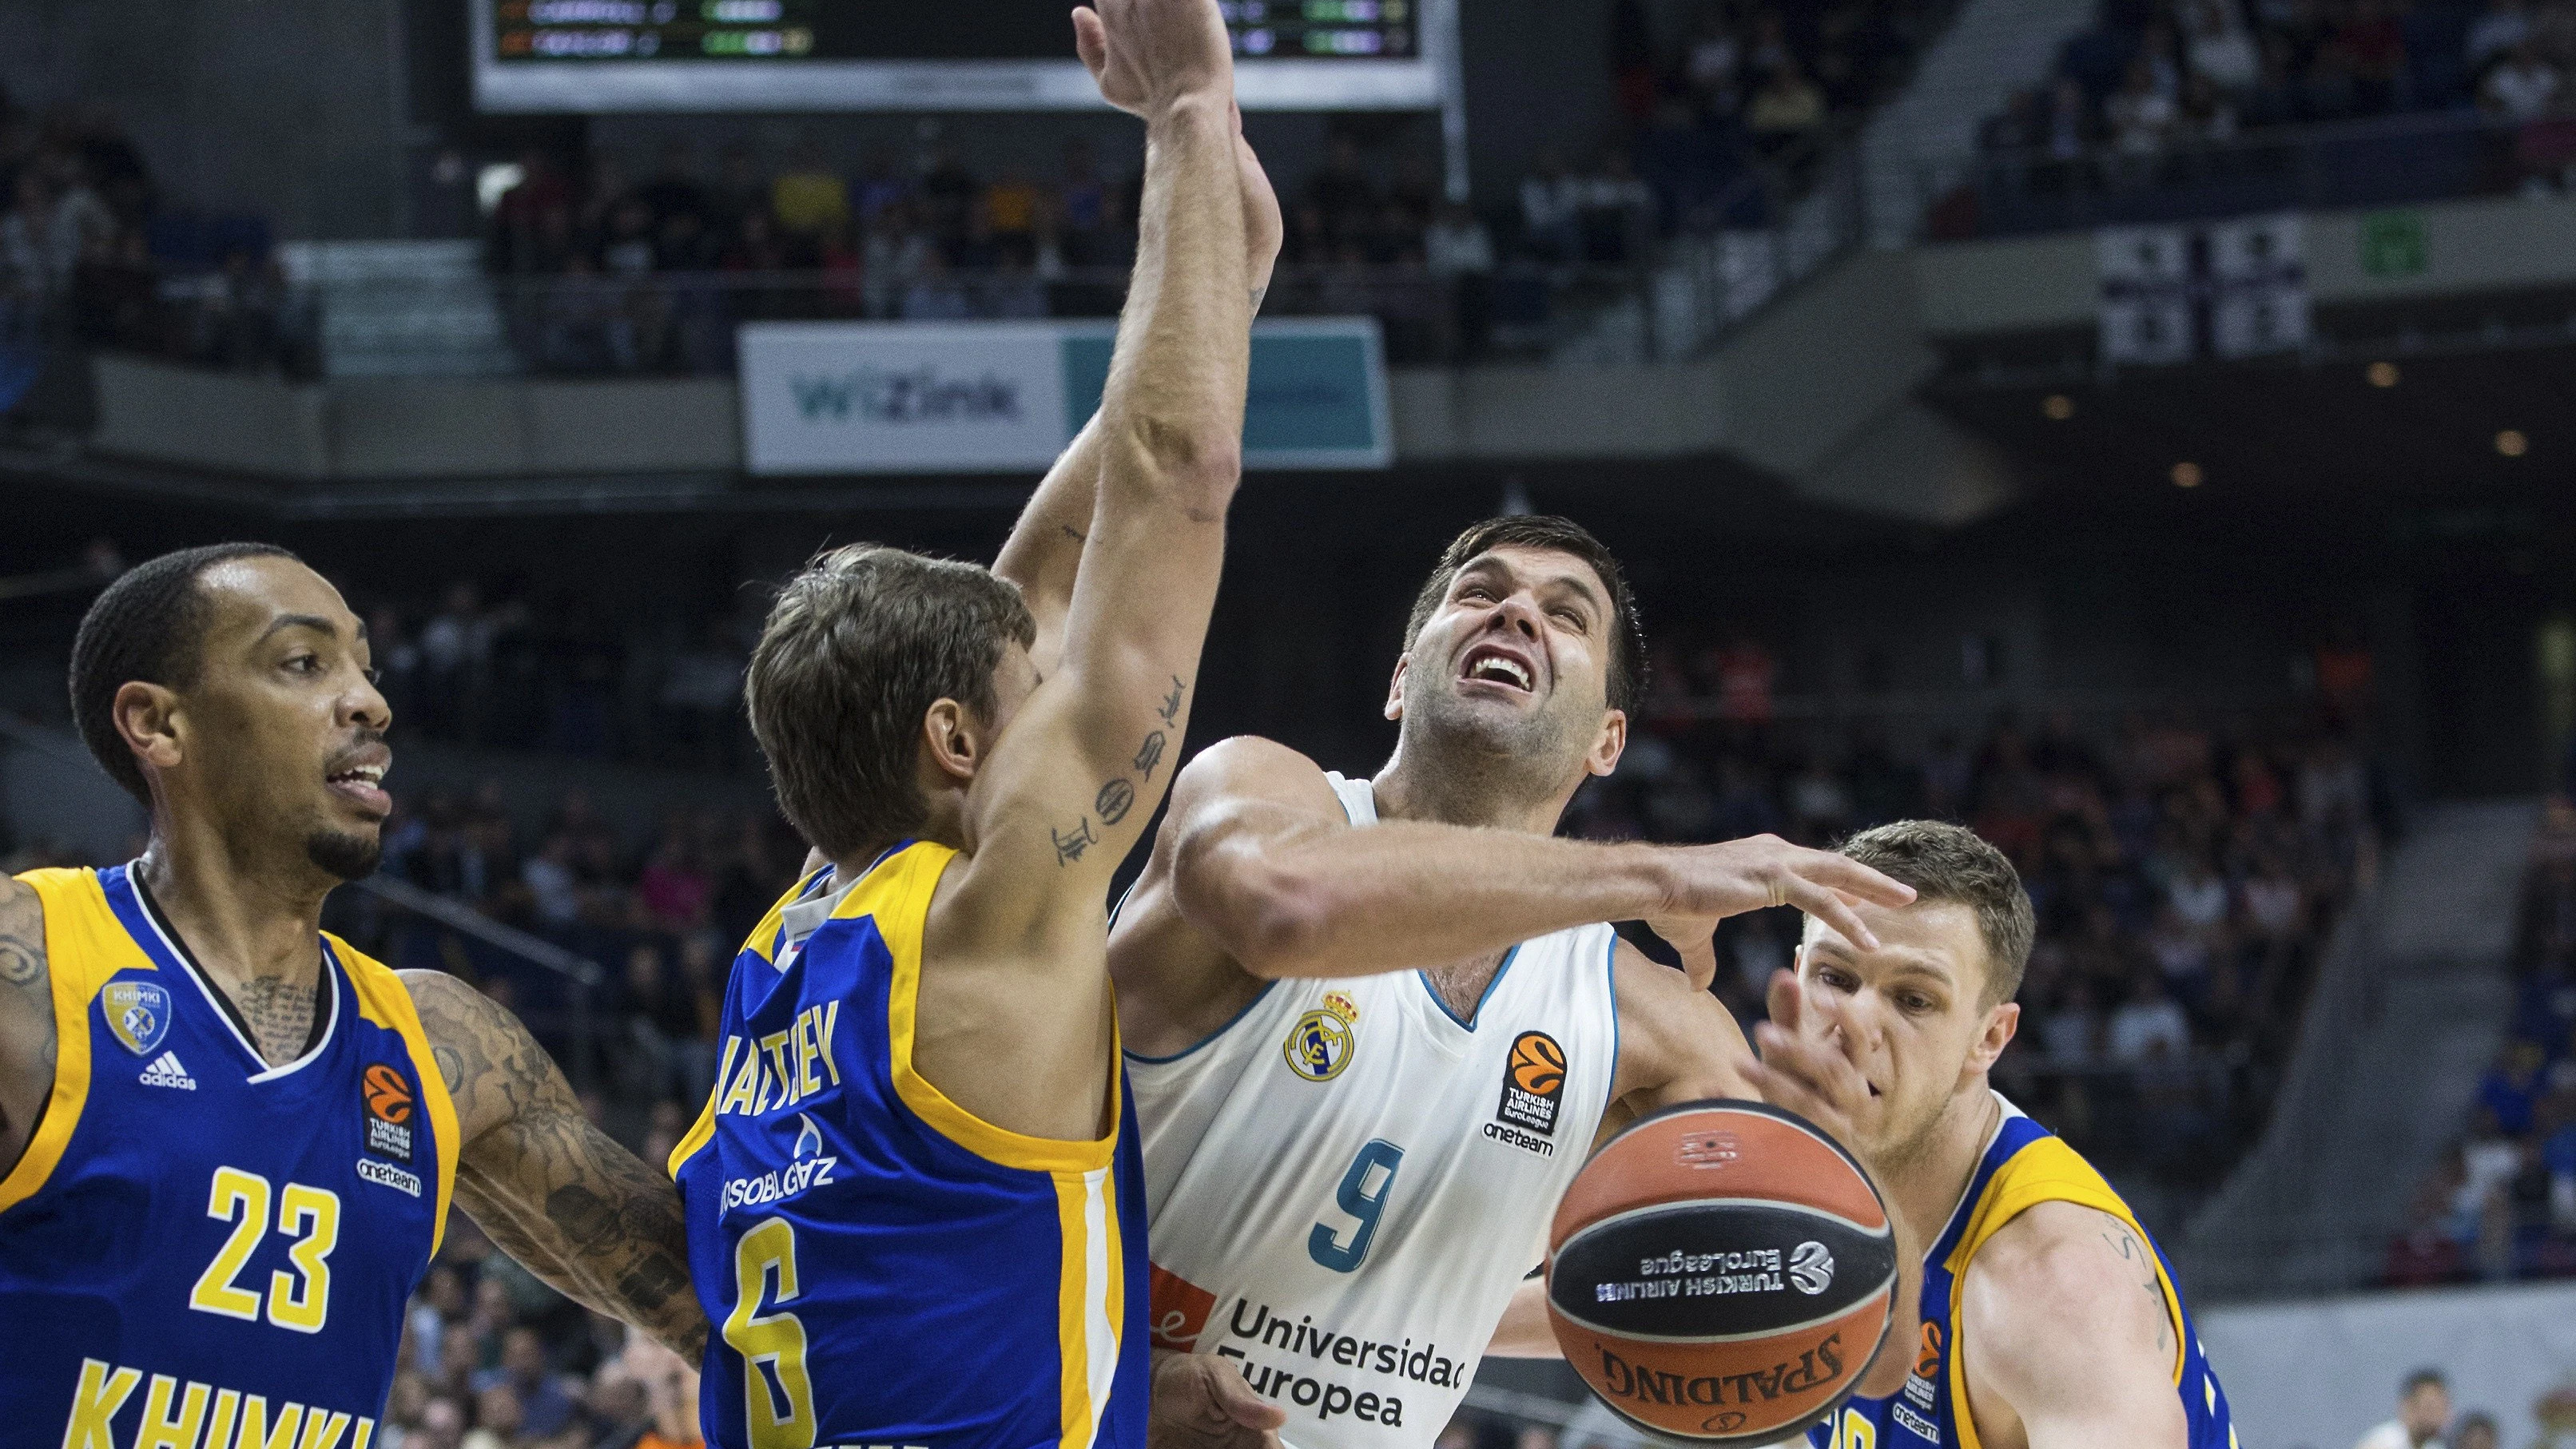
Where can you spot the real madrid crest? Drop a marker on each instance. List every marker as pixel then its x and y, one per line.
pixel 1321 1042
pixel 138 1012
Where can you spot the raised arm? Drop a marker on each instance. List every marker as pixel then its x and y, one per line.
pixel 1080 769
pixel 581 1212
pixel 2066 1329
pixel 1043 555
pixel 26 1020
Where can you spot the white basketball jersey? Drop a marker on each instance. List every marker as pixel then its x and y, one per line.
pixel 1346 1183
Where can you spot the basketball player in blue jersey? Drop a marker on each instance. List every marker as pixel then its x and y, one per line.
pixel 2049 1319
pixel 914 1209
pixel 229 1141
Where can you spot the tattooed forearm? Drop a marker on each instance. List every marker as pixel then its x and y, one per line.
pixel 26 1020
pixel 1171 710
pixel 553 1191
pixel 1149 754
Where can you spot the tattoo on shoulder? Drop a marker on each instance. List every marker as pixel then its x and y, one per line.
pixel 1171 710
pixel 22 938
pixel 1149 754
pixel 2126 1244
pixel 1069 845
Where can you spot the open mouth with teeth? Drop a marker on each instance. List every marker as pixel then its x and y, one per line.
pixel 1489 665
pixel 362 785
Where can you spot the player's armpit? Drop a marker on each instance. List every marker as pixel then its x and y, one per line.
pixel 552 1190
pixel 2065 1331
pixel 27 1042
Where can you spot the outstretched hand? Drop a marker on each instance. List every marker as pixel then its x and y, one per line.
pixel 1711 882
pixel 1806 1064
pixel 1202 1402
pixel 1147 55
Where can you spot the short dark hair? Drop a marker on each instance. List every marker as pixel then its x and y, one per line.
pixel 1945 862
pixel 2421 1378
pixel 859 645
pixel 149 625
pixel 1627 672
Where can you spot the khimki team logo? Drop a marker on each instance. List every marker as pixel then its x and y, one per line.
pixel 138 1012
pixel 1321 1042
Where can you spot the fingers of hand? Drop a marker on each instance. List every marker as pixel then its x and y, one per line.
pixel 1240 1403
pixel 1854 879
pixel 1828 905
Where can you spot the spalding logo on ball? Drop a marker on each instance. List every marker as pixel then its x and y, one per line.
pixel 1722 1272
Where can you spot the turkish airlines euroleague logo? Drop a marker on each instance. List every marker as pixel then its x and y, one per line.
pixel 1180 1308
pixel 1533 1083
pixel 387 1093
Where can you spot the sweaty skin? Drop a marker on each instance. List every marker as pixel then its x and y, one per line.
pixel 242 767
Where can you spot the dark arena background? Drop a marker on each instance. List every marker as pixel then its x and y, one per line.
pixel 2143 430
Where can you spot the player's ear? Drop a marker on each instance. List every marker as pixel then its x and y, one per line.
pixel 1395 686
pixel 2001 1023
pixel 952 739
pixel 1609 745
pixel 147 715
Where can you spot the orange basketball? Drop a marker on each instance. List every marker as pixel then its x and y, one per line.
pixel 1722 1271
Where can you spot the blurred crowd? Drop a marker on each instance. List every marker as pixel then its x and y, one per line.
pixel 2502 1202
pixel 2152 77
pixel 2185 872
pixel 90 253
pixel 561 673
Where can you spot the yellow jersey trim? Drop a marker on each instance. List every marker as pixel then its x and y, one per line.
pixel 762 942
pixel 702 1131
pixel 384 1000
pixel 2044 1170
pixel 84 945
pixel 897 895
pixel 1091 1300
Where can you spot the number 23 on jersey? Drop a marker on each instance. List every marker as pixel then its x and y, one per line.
pixel 308 1216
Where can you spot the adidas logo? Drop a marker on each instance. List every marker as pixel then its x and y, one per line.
pixel 165 1071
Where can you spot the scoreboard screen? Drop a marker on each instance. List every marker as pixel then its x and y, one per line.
pixel 803 55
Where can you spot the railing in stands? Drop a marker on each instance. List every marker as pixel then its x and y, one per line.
pixel 2383 161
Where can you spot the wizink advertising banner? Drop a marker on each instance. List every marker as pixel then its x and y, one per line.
pixel 1000 397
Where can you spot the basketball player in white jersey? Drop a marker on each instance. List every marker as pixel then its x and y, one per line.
pixel 1375 1026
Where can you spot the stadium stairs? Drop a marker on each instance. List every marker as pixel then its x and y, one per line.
pixel 403 308
pixel 2409 1006
pixel 1993 48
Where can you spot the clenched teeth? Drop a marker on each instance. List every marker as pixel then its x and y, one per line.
pixel 1495 666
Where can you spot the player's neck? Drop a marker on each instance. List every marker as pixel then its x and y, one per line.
pixel 1927 1188
pixel 243 920
pixel 1458 793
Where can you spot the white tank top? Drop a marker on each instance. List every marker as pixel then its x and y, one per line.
pixel 1345 1184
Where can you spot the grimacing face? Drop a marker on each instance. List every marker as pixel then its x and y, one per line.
pixel 282 735
pixel 1516 658
pixel 1915 1011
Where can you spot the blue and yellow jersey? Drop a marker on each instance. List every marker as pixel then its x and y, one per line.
pixel 2024 1166
pixel 199 1250
pixel 881 1266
